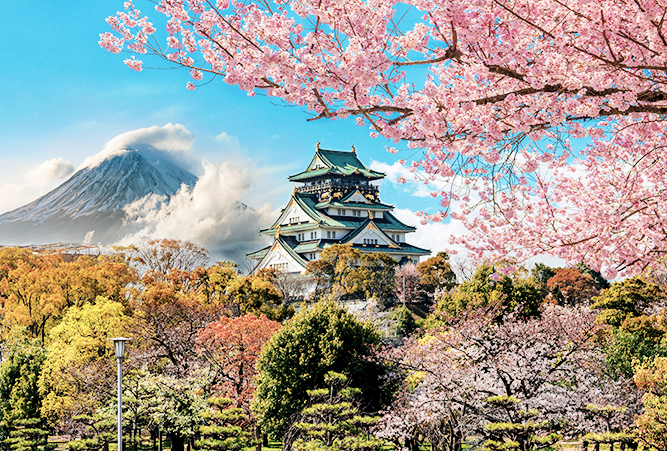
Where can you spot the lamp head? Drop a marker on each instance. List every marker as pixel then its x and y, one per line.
pixel 119 346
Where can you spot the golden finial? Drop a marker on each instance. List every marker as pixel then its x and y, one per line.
pixel 370 214
pixel 318 145
pixel 278 232
pixel 354 151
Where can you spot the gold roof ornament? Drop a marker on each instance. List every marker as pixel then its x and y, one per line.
pixel 354 151
pixel 318 145
pixel 278 232
pixel 370 214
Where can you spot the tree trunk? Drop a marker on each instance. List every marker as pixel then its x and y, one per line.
pixel 584 445
pixel 611 446
pixel 177 442
pixel 258 438
pixel 596 447
pixel 159 440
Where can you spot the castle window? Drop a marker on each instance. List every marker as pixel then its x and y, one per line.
pixel 328 234
pixel 333 234
pixel 313 235
pixel 356 213
pixel 294 220
pixel 341 212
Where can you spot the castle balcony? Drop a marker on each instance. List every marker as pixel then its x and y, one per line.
pixel 344 186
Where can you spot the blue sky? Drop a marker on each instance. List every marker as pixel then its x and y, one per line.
pixel 64 98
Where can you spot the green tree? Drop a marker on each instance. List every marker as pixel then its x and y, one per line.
pixel 635 337
pixel 639 339
pixel 374 277
pixel 224 429
pixel 332 422
pixel 29 435
pixel 652 423
pixel 405 323
pixel 436 274
pixel 80 359
pixel 315 341
pixel 521 432
pixel 488 288
pixel 333 268
pixel 19 373
pixel 628 298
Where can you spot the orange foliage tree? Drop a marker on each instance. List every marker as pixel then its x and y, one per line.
pixel 36 289
pixel 232 346
pixel 570 286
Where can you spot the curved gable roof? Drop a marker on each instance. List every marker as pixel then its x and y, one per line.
pixel 336 162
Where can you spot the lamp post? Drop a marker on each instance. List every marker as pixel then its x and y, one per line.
pixel 119 346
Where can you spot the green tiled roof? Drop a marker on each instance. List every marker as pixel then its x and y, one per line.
pixel 386 222
pixel 260 254
pixel 337 163
pixel 309 246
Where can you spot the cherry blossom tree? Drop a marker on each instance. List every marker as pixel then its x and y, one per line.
pixel 478 377
pixel 514 108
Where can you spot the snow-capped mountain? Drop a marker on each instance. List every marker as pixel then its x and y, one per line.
pixel 93 199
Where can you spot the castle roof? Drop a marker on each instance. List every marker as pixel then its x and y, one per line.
pixel 335 162
pixel 309 205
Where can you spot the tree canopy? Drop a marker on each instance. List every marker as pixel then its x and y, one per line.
pixel 494 94
pixel 315 341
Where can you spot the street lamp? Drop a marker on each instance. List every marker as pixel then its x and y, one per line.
pixel 119 345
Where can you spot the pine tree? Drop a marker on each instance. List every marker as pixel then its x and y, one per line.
pixel 332 422
pixel 521 433
pixel 29 435
pixel 225 429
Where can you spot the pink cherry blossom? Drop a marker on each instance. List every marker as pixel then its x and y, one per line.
pixel 134 64
pixel 499 93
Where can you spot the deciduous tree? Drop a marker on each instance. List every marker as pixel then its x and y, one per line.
pixel 232 346
pixel 80 359
pixel 333 268
pixel 491 92
pixel 495 381
pixel 571 287
pixel 315 341
pixel 652 423
pixel 436 274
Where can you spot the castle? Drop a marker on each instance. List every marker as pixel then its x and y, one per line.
pixel 336 203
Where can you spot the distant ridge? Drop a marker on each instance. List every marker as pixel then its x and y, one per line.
pixel 92 200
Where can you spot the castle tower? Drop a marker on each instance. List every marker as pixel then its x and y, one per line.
pixel 336 202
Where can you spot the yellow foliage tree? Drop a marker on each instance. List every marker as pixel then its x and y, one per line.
pixel 80 359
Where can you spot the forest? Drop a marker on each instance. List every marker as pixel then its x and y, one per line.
pixel 447 355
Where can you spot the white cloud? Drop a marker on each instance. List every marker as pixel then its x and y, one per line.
pixel 432 235
pixel 21 185
pixel 173 139
pixel 211 214
pixel 225 137
pixel 53 169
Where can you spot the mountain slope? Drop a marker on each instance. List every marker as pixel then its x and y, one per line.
pixel 93 199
